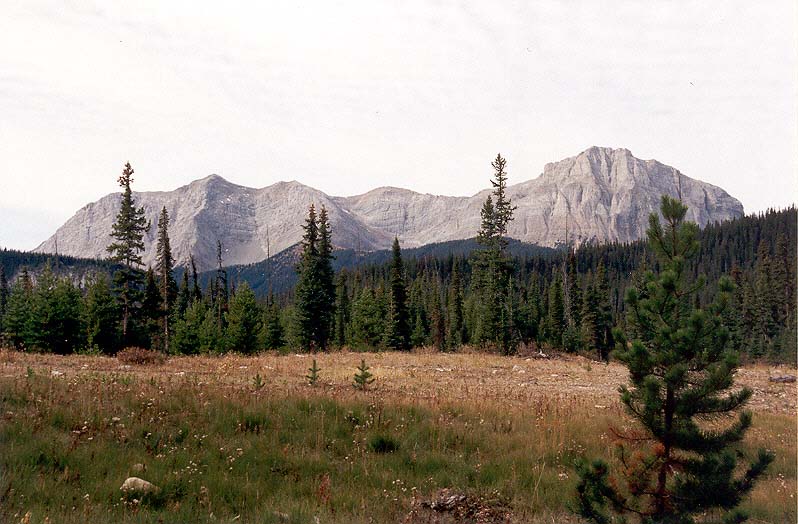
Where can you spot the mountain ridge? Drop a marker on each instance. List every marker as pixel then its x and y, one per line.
pixel 606 195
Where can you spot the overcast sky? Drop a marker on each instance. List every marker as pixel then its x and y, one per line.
pixel 349 96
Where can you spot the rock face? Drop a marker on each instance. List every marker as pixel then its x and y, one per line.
pixel 606 195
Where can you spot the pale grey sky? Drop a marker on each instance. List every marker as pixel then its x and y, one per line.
pixel 348 96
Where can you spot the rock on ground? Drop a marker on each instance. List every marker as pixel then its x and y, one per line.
pixel 140 486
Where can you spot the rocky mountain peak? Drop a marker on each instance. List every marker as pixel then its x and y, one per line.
pixel 603 194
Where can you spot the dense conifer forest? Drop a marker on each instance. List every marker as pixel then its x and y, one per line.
pixel 564 299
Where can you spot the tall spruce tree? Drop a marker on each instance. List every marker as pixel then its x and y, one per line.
pixel 397 329
pixel 221 293
pixel 315 289
pixel 492 265
pixel 128 232
pixel 326 309
pixel 681 372
pixel 164 266
pixel 456 323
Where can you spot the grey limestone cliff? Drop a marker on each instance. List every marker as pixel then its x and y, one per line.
pixel 606 195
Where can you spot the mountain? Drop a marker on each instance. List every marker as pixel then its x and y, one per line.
pixel 602 194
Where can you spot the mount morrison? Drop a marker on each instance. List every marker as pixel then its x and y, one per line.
pixel 606 195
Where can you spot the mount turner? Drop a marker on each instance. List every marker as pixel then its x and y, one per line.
pixel 606 195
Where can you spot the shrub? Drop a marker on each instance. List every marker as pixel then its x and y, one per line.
pixel 383 444
pixel 140 356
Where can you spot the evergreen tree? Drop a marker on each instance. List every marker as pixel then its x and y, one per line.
pixel 734 314
pixel 211 333
pixel 784 280
pixel 164 265
pixel 128 233
pixel 56 314
pixel 326 307
pixel 196 292
pixel 456 325
pixel 309 286
pixel 397 324
pixel 603 313
pixel 272 331
pixel 221 293
pixel 188 328
pixel 492 266
pixel 363 377
pixel 765 303
pixel 3 295
pixel 437 318
pixel 152 309
pixel 25 280
pixel 368 319
pixel 313 374
pixel 574 295
pixel 100 315
pixel 588 329
pixel 315 290
pixel 418 337
pixel 555 322
pixel 18 321
pixel 342 313
pixel 681 372
pixel 184 297
pixel 503 208
pixel 508 331
pixel 243 321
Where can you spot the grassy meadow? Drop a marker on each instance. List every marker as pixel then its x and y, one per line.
pixel 246 439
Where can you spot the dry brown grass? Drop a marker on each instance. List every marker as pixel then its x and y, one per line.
pixel 478 380
pixel 7 355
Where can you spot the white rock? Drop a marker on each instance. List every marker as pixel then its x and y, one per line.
pixel 137 485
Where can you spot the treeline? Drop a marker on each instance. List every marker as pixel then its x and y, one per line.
pixel 568 300
pixel 571 300
pixel 278 274
pixel 14 261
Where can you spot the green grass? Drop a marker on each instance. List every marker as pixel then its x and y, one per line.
pixel 222 451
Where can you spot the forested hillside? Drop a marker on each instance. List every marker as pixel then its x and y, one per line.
pixel 278 274
pixel 12 261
